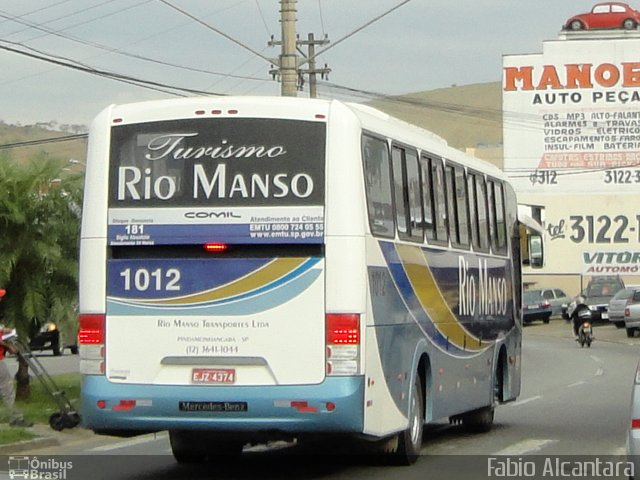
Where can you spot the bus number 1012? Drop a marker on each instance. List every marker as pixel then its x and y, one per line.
pixel 144 280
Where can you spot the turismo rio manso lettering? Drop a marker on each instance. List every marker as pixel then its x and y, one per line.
pixel 213 172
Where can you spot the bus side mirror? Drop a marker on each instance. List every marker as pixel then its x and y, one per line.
pixel 536 251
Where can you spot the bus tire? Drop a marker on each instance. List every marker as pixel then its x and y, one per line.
pixel 410 440
pixel 184 448
pixel 193 446
pixel 478 421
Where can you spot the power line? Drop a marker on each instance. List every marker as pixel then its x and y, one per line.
pixel 108 49
pixel 359 29
pixel 44 141
pixel 219 32
pixel 68 63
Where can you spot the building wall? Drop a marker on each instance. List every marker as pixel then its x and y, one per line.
pixel 571 126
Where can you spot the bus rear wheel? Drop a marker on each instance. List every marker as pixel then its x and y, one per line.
pixel 410 440
pixel 478 421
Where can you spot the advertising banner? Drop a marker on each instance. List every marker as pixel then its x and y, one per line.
pixel 572 116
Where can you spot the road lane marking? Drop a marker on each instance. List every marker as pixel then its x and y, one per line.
pixel 599 372
pixel 596 359
pixel 525 446
pixel 581 382
pixel 128 443
pixel 525 400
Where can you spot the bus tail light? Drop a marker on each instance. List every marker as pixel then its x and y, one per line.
pixel 91 338
pixel 215 247
pixel 343 343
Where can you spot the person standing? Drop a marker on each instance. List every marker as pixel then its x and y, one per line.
pixel 7 390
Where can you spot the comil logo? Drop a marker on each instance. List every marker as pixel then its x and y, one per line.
pixel 34 468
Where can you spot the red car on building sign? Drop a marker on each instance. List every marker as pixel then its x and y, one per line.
pixel 605 15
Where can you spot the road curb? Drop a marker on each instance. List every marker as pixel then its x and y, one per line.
pixel 27 445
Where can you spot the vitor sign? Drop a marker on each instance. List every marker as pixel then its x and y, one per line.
pixel 571 118
pixel 231 162
pixel 621 262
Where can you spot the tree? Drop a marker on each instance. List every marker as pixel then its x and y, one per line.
pixel 39 234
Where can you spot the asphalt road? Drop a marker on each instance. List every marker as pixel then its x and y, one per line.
pixel 575 401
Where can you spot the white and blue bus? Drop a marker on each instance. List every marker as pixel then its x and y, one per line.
pixel 278 268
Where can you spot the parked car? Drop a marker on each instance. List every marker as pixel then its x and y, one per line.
pixel 48 337
pixel 618 305
pixel 534 307
pixel 605 15
pixel 556 297
pixel 595 298
pixel 633 429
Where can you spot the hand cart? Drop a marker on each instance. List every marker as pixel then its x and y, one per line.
pixel 66 416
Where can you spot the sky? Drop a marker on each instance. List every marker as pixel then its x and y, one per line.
pixel 422 45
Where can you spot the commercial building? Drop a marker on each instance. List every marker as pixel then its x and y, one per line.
pixel 571 129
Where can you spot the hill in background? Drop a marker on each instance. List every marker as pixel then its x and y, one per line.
pixel 17 134
pixel 468 116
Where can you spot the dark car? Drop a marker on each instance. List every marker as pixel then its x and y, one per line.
pixel 534 307
pixel 605 15
pixel 595 299
pixel 48 338
pixel 557 298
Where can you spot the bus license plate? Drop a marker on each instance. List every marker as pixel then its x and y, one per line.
pixel 213 375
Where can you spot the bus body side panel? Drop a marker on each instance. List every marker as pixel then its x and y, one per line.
pixel 92 275
pixel 513 342
pixel 416 309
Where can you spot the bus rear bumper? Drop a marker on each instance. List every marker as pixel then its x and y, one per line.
pixel 333 406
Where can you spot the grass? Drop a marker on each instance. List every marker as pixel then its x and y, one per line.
pixel 14 435
pixel 39 407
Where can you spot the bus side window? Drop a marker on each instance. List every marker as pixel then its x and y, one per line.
pixel 462 212
pixel 473 210
pixel 451 205
pixel 483 220
pixel 457 208
pixel 400 191
pixel 501 224
pixel 497 227
pixel 416 217
pixel 406 185
pixel 427 197
pixel 439 200
pixel 375 155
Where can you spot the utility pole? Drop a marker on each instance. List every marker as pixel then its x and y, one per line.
pixel 312 71
pixel 288 63
pixel 288 58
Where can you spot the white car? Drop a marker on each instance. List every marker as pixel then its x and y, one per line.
pixel 624 309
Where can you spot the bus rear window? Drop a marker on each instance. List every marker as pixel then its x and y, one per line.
pixel 218 162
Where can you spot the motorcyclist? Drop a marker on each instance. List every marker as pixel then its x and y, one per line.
pixel 578 319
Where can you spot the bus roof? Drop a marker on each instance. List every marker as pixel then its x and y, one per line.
pixel 369 117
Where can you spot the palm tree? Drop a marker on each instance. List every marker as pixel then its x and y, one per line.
pixel 39 231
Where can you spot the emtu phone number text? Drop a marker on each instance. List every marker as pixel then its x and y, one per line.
pixel 286 230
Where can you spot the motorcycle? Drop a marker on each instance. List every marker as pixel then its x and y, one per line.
pixel 585 334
